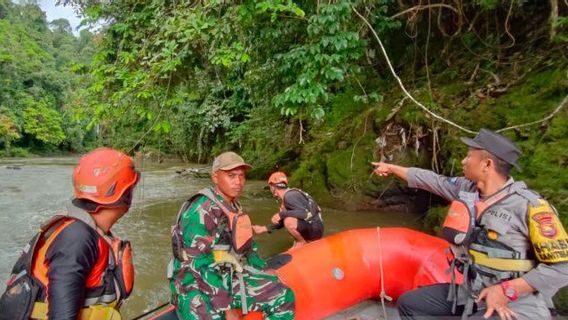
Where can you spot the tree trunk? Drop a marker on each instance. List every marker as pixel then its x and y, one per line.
pixel 553 18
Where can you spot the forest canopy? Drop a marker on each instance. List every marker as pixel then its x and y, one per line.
pixel 299 85
pixel 39 60
pixel 318 89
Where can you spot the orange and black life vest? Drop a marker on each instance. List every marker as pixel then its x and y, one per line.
pixel 240 226
pixel 462 217
pixel 109 282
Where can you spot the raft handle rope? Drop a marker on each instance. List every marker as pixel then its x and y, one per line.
pixel 383 294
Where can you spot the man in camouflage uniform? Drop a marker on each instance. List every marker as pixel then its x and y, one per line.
pixel 208 274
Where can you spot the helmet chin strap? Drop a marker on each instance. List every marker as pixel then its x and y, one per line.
pixel 125 201
pixel 87 205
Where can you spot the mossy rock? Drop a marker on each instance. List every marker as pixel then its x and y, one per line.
pixel 310 177
pixel 265 162
pixel 348 174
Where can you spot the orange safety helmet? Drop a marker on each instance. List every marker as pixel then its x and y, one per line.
pixel 104 175
pixel 278 179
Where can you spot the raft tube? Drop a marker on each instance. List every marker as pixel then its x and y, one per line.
pixel 344 269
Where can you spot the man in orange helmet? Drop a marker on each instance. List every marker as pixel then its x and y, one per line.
pixel 74 268
pixel 299 213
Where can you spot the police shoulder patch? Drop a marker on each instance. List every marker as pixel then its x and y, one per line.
pixel 452 180
pixel 546 225
pixel 549 239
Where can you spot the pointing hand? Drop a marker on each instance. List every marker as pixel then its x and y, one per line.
pixel 381 169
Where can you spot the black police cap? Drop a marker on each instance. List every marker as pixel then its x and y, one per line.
pixel 496 144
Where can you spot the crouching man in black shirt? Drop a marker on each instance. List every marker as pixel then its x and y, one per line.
pixel 299 213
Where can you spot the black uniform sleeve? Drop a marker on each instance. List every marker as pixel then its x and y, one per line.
pixel 70 259
pixel 296 205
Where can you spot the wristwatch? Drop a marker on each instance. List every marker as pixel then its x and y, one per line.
pixel 509 291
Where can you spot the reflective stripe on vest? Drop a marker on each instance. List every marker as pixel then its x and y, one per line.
pixel 501 264
pixel 98 312
pixel 461 221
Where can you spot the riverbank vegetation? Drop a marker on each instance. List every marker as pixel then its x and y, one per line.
pixel 305 86
pixel 300 85
pixel 41 65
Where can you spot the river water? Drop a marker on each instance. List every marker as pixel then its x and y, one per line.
pixel 31 190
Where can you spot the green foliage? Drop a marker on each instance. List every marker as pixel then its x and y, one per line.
pixel 288 81
pixel 230 57
pixel 37 83
pixel 43 122
pixel 61 26
pixel 275 8
pixel 267 140
pixel 488 4
pixel 561 26
pixel 202 82
pixel 326 58
pixel 8 131
pixel 298 85
pixel 303 86
pixel 14 152
pixel 561 301
pixel 345 171
pixel 310 176
pixel 434 219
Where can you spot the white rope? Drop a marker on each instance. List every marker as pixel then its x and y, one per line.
pixel 383 294
pixel 560 106
pixel 550 116
pixel 402 85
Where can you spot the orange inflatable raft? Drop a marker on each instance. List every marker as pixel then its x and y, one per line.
pixel 341 270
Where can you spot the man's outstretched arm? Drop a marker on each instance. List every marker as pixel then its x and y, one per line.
pixel 384 169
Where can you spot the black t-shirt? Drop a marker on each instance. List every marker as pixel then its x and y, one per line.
pixel 299 205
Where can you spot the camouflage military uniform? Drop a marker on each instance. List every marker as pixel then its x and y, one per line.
pixel 203 289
